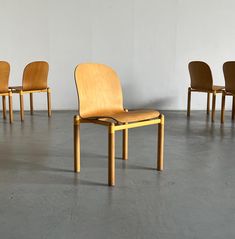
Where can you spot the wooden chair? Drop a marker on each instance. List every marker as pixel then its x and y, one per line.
pixel 4 90
pixel 100 102
pixel 201 81
pixel 34 81
pixel 229 76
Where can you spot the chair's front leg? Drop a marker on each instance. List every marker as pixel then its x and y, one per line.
pixel 213 107
pixel 208 104
pixel 4 107
pixel 222 108
pixel 160 153
pixel 76 131
pixel 21 106
pixel 125 144
pixel 233 108
pixel 31 103
pixel 10 107
pixel 111 156
pixel 189 102
pixel 49 101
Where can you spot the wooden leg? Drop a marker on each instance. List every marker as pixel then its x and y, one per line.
pixel 49 102
pixel 233 108
pixel 213 107
pixel 76 126
pixel 222 108
pixel 111 156
pixel 125 144
pixel 10 108
pixel 21 107
pixel 4 107
pixel 189 102
pixel 208 103
pixel 31 103
pixel 160 153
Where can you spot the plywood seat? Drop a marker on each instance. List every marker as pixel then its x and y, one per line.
pixel 130 116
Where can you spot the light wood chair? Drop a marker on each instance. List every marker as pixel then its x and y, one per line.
pixel 100 102
pixel 4 90
pixel 202 81
pixel 229 76
pixel 34 81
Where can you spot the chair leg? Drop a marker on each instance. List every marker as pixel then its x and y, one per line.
pixel 213 107
pixel 160 153
pixel 222 108
pixel 31 103
pixel 21 106
pixel 49 102
pixel 76 131
pixel 125 144
pixel 208 103
pixel 233 108
pixel 4 107
pixel 189 102
pixel 111 156
pixel 10 108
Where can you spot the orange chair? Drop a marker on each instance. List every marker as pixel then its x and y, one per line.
pixel 34 81
pixel 201 81
pixel 4 90
pixel 229 76
pixel 100 102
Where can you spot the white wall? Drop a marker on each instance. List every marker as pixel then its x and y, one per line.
pixel 148 42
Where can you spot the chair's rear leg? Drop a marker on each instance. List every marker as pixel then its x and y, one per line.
pixel 233 108
pixel 208 103
pixel 31 103
pixel 76 130
pixel 160 153
pixel 111 156
pixel 125 144
pixel 4 107
pixel 10 108
pixel 189 102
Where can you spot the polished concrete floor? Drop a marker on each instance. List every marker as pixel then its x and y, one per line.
pixel 41 197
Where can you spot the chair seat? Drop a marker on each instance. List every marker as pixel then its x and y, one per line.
pixel 131 116
pixel 16 88
pixel 217 87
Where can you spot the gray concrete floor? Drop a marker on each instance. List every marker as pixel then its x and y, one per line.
pixel 41 197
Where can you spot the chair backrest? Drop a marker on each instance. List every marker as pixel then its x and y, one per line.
pixel 99 90
pixel 229 76
pixel 201 76
pixel 35 76
pixel 4 76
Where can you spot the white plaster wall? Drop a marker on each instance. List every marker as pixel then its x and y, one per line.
pixel 149 43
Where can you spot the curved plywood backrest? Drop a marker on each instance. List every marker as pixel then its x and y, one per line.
pixel 35 76
pixel 200 74
pixel 229 76
pixel 99 90
pixel 4 76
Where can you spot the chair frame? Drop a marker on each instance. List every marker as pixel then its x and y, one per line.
pixel 9 94
pixel 112 128
pixel 224 94
pixel 213 92
pixel 30 92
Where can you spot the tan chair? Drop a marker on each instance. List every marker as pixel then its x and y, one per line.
pixel 34 81
pixel 202 81
pixel 100 102
pixel 4 90
pixel 229 76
